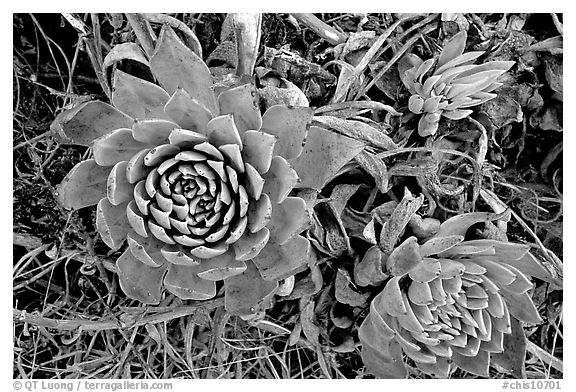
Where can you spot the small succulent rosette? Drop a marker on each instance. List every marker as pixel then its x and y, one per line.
pixel 196 180
pixel 449 85
pixel 449 301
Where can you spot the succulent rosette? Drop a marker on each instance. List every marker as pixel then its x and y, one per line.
pixel 195 180
pixel 449 85
pixel 449 301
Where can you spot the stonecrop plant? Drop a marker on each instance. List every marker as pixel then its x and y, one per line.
pixel 449 85
pixel 196 181
pixel 448 301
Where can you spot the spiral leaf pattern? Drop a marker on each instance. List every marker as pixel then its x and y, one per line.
pixel 194 183
pixel 449 301
pixel 449 85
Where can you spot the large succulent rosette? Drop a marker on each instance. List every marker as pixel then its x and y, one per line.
pixel 448 301
pixel 449 85
pixel 195 180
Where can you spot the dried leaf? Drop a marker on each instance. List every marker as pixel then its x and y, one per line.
pixel 398 220
pixel 345 294
pixel 358 130
pixel 310 329
pixel 370 271
pixel 375 167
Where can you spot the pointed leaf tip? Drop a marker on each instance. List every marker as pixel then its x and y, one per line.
pixel 175 65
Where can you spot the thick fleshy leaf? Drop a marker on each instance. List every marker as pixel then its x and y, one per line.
pixel 477 365
pixel 419 293
pixel 183 281
pixel 324 155
pixel 125 51
pixel 439 244
pixel 254 182
pixel 407 63
pixel 209 251
pixel 138 280
pixel 459 224
pixel 241 102
pixel 112 223
pixel 426 271
pixel 89 121
pixel 259 213
pixel 117 146
pixel 176 66
pixel 462 60
pixel 276 262
pixel 159 154
pixel 387 364
pixel 380 320
pixel 457 114
pixel 290 125
pixel 153 131
pixel 521 284
pixel 247 293
pixel 287 219
pixel 258 147
pixel 369 271
pixel 221 267
pixel 250 244
pixel 521 306
pixel 505 251
pixel 530 266
pixel 185 138
pixel 138 98
pixel 428 124
pixel 513 357
pixel 83 186
pixel 118 189
pixel 371 335
pixel 232 152
pixel 279 180
pixel 392 301
pixel 176 254
pixel 404 257
pixel 187 112
pixel 146 249
pixel 222 130
pixel 344 293
pixel 410 322
pixel 136 170
pixel 453 48
pixel 440 369
pixel 136 219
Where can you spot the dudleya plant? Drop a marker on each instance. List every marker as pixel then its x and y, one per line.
pixel 196 181
pixel 448 301
pixel 449 85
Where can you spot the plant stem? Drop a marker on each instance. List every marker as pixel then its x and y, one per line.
pixel 325 31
